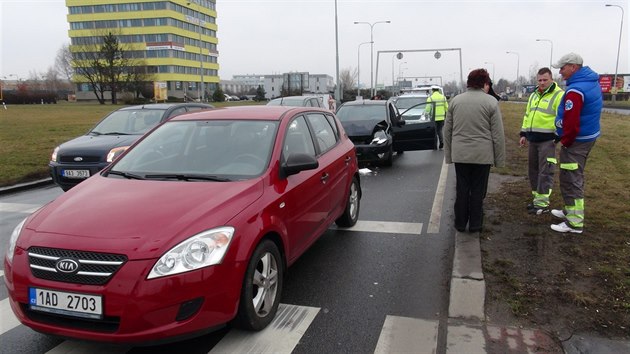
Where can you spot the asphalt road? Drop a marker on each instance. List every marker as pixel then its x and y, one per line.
pixel 348 293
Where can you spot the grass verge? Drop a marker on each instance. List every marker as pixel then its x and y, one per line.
pixel 563 282
pixel 29 133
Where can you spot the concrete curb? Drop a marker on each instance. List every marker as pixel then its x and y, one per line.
pixel 25 186
pixel 468 331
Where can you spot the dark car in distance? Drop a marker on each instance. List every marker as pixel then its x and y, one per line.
pixel 191 228
pixel 77 159
pixel 378 129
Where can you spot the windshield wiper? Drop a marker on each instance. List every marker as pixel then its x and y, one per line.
pixel 96 133
pixel 188 177
pixel 115 133
pixel 125 174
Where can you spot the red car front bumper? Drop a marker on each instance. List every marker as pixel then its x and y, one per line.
pixel 135 310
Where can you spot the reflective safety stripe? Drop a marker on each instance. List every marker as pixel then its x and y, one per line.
pixel 575 214
pixel 569 166
pixel 549 108
pixel 538 130
pixel 541 200
pixel 552 160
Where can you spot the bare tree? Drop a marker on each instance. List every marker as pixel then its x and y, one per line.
pixel 106 65
pixel 63 62
pixel 347 78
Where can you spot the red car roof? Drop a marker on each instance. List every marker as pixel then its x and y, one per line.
pixel 247 112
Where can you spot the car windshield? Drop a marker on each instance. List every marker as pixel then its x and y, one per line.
pixel 362 112
pixel 209 150
pixel 415 109
pixel 136 121
pixel 294 102
pixel 405 102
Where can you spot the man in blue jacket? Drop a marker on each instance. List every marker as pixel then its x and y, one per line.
pixel 577 127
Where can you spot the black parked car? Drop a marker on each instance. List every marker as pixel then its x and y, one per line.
pixel 80 158
pixel 378 129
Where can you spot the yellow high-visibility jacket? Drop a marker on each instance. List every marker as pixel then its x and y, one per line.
pixel 441 105
pixel 540 114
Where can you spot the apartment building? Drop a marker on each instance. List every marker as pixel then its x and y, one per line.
pixel 292 83
pixel 173 41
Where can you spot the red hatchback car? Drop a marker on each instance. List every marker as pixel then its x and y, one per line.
pixel 191 228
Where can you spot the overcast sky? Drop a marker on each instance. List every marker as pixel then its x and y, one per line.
pixel 278 36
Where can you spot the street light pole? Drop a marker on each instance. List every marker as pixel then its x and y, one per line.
pixel 393 79
pixel 371 50
pixel 359 68
pixel 400 70
pixel 492 70
pixel 338 87
pixel 551 55
pixel 518 64
pixel 614 97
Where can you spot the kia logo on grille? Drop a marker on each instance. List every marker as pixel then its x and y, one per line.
pixel 78 159
pixel 67 265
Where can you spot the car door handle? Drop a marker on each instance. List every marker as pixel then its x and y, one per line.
pixel 324 177
pixel 348 159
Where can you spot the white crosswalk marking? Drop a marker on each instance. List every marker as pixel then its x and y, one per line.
pixel 386 227
pixel 407 335
pixel 436 211
pixel 72 347
pixel 18 207
pixel 281 336
pixel 9 321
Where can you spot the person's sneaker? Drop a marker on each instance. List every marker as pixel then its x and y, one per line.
pixel 538 210
pixel 559 213
pixel 563 227
pixel 530 206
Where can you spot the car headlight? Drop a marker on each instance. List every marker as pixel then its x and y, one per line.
pixel 53 158
pixel 115 152
pixel 13 240
pixel 379 138
pixel 202 250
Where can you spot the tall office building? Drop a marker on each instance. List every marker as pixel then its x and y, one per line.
pixel 174 42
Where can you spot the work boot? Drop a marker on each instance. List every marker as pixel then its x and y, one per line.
pixel 559 213
pixel 564 227
pixel 538 210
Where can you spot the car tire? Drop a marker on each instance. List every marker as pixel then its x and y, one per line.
pixel 262 288
pixel 350 214
pixel 389 160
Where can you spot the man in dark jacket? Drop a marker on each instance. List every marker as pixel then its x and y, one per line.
pixel 577 126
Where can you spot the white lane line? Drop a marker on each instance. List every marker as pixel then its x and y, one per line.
pixel 407 335
pixel 438 201
pixel 72 347
pixel 8 320
pixel 385 226
pixel 281 336
pixel 18 207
